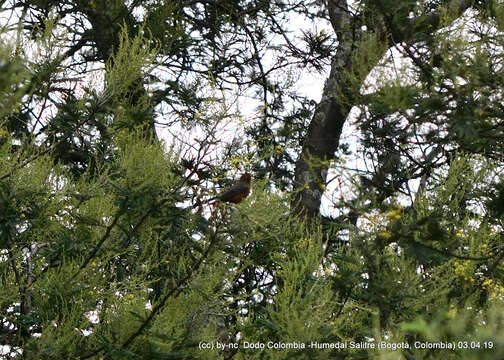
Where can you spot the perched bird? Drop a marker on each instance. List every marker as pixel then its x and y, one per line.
pixel 239 191
pixel 234 194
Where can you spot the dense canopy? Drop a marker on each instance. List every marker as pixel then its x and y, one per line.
pixel 374 227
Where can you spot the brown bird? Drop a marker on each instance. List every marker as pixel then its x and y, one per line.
pixel 234 194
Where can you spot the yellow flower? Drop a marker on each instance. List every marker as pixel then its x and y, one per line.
pixel 480 112
pixel 236 162
pixel 385 234
pixel 395 214
pixel 303 243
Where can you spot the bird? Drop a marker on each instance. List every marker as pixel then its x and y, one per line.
pixel 234 194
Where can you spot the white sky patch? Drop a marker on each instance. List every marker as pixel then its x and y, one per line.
pixel 7 350
pixel 93 317
pixel 86 332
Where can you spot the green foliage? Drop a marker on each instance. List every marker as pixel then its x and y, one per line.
pixel 103 256
pixel 129 65
pixel 11 81
pixel 470 334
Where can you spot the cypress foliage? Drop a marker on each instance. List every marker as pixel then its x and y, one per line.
pixel 102 254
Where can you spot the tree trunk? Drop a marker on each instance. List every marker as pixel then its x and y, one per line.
pixel 324 131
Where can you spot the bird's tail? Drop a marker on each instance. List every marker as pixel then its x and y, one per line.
pixel 199 202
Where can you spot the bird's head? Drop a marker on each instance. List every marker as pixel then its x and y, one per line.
pixel 246 178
